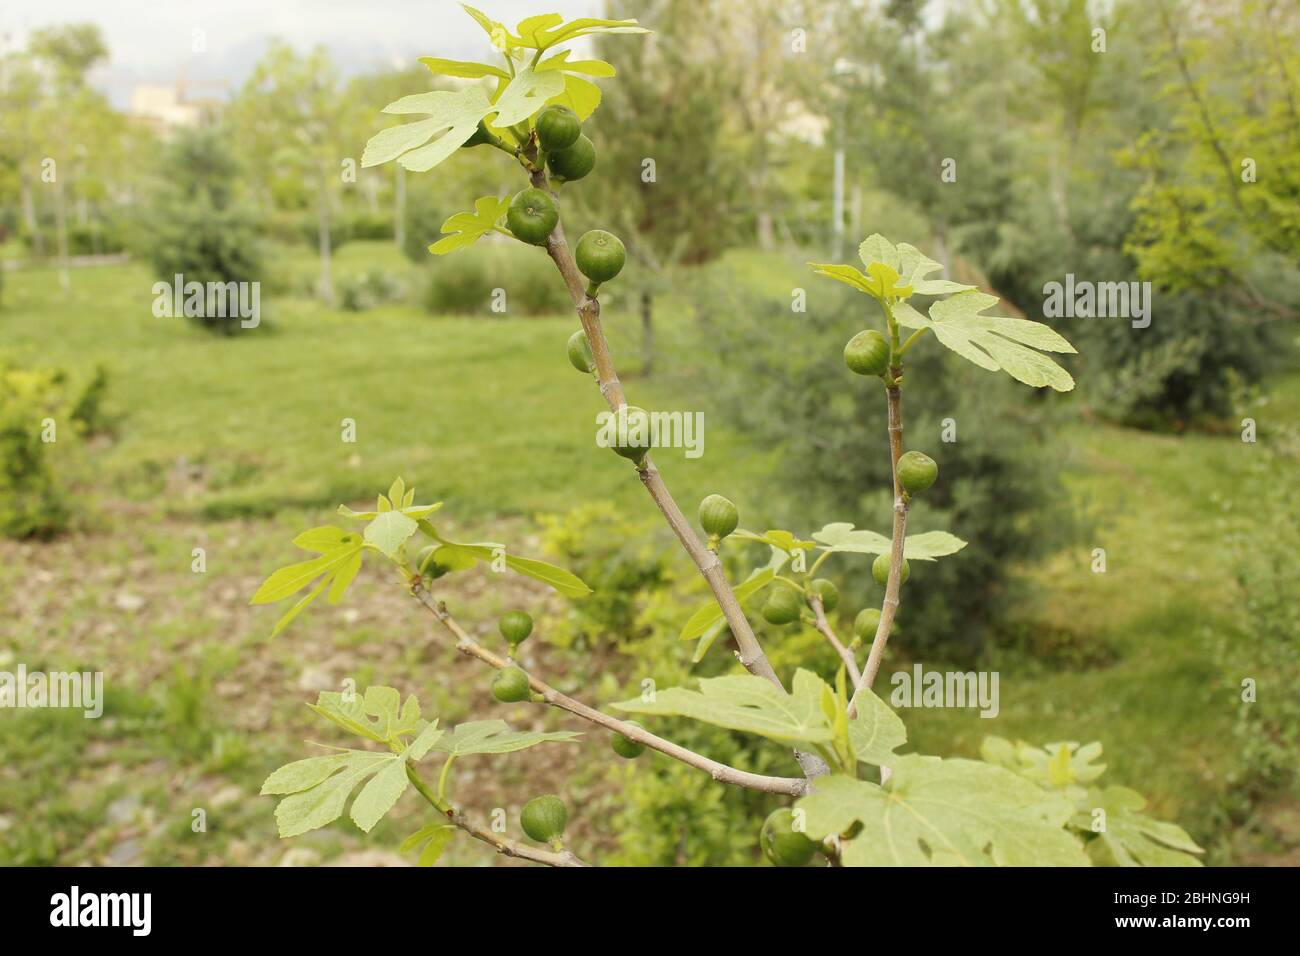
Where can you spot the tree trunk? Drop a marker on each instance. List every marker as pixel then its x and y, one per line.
pixel 399 208
pixel 326 288
pixel 647 332
pixel 30 221
pixel 61 223
pixel 766 233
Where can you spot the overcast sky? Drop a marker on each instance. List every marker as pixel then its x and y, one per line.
pixel 151 41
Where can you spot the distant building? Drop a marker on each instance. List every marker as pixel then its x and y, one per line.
pixel 167 108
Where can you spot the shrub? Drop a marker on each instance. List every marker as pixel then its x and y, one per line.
pixel 624 561
pixel 88 411
pixel 196 225
pixel 1269 727
pixel 358 293
pixel 1177 371
pixel 466 286
pixel 369 225
pixel 96 238
pixel 424 219
pixel 33 501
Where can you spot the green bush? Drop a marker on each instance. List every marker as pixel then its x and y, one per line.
pixel 465 285
pixel 96 238
pixel 197 226
pixel 1269 727
pixel 621 560
pixel 89 412
pixel 369 225
pixel 33 501
pixel 999 484
pixel 365 291
pixel 1176 372
pixel 425 215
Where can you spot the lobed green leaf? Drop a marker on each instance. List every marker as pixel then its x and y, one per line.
pixel 747 703
pixel 495 737
pixel 993 342
pixel 935 812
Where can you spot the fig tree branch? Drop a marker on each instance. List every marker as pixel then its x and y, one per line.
pixel 792 786
pixel 748 650
pixel 889 608
pixel 499 843
pixel 828 632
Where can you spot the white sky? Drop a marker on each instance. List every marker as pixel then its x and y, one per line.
pixel 151 41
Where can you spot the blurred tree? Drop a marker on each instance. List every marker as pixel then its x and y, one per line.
pixel 20 98
pixel 67 116
pixel 1218 210
pixel 199 226
pixel 1061 32
pixel 72 49
pixel 666 163
pixel 385 87
pixel 295 114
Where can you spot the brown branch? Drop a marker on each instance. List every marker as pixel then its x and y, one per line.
pixel 890 606
pixel 505 847
pixel 748 650
pixel 828 632
pixel 793 786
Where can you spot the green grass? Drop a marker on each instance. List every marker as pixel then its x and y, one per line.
pixel 487 414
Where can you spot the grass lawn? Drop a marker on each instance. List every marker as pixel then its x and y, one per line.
pixel 235 443
pixel 483 412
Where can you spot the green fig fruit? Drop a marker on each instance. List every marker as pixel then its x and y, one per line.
pixel 916 472
pixel 544 818
pixel 865 624
pixel 515 626
pixel 580 356
pixel 880 570
pixel 631 438
pixel 783 605
pixel 511 686
pixel 829 592
pixel 532 215
pixel 558 127
pixel 867 353
pixel 573 163
pixel 626 747
pixel 427 563
pixel 718 517
pixel 782 844
pixel 600 255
